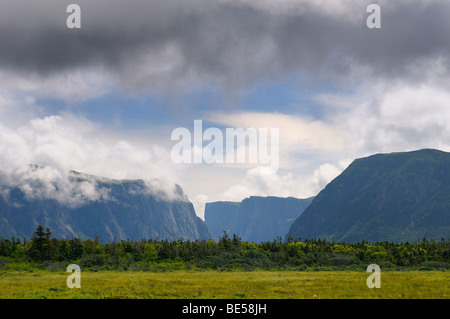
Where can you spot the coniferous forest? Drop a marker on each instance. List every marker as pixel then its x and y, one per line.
pixel 228 253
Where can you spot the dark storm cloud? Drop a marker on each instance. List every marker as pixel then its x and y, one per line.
pixel 154 45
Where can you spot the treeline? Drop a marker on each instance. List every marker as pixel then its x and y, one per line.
pixel 228 253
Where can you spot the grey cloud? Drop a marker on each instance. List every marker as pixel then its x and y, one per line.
pixel 409 36
pixel 231 45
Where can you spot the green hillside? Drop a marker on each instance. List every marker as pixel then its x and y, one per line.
pixel 394 197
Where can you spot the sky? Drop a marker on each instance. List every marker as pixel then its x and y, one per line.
pixel 104 99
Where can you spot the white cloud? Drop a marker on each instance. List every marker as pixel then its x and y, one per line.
pixel 260 181
pixel 399 118
pixel 50 183
pixel 296 133
pixel 58 144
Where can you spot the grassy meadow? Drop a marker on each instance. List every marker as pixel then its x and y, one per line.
pixel 232 285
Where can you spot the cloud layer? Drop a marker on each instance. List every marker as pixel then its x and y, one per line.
pixel 173 46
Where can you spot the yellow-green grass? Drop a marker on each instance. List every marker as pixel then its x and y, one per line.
pixel 236 284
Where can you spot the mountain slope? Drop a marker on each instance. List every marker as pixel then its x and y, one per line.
pixel 394 197
pixel 129 212
pixel 256 218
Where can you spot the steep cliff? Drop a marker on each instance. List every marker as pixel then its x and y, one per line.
pixel 130 210
pixel 256 218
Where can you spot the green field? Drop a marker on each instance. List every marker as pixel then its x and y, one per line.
pixel 235 284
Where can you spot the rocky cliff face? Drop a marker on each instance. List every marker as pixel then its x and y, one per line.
pixel 129 211
pixel 219 217
pixel 256 218
pixel 394 197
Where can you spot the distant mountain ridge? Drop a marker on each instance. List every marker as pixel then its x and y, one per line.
pixel 130 211
pixel 254 219
pixel 393 197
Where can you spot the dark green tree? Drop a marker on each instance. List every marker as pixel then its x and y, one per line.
pixel 40 249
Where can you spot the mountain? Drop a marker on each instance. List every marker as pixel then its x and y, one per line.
pixel 219 216
pixel 394 197
pixel 255 219
pixel 129 211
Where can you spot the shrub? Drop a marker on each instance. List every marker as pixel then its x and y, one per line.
pixel 387 265
pixel 434 265
pixel 343 260
pixel 92 260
